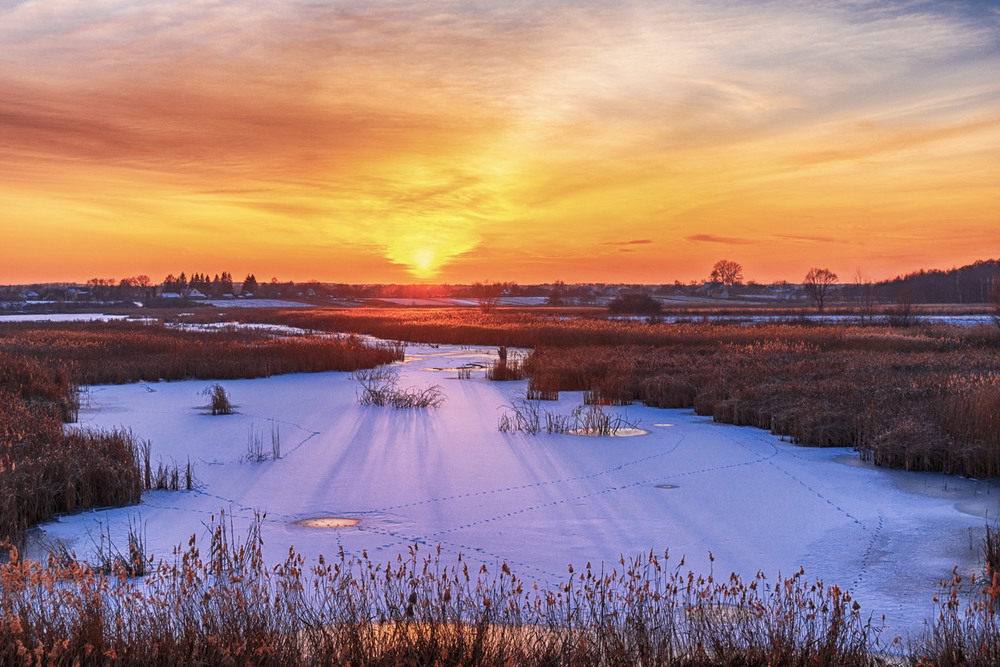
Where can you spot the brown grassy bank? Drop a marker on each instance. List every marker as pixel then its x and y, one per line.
pixel 919 410
pixel 533 330
pixel 45 469
pixel 921 398
pixel 120 352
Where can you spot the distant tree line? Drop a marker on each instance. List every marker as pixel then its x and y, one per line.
pixel 109 289
pixel 973 283
pixel 220 285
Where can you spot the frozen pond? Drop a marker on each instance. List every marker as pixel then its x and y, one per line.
pixel 447 476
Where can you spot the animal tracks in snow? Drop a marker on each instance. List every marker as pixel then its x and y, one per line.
pixel 448 477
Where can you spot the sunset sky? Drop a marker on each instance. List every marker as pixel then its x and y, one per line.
pixel 356 141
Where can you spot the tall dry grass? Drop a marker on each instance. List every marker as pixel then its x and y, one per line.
pixel 528 416
pixel 916 410
pixel 508 366
pixel 920 398
pixel 529 329
pixel 966 631
pixel 380 386
pixel 45 470
pixel 227 606
pixel 121 352
pixel 219 401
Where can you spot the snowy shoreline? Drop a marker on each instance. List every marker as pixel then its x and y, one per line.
pixel 448 477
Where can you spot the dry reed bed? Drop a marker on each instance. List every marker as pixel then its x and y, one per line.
pixel 229 607
pixel 923 398
pixel 915 410
pixel 45 470
pixel 534 330
pixel 122 352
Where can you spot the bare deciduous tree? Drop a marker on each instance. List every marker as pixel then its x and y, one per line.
pixel 487 295
pixel 819 284
pixel 995 299
pixel 867 297
pixel 726 272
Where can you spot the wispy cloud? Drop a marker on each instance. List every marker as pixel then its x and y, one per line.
pixel 437 130
pixel 724 240
pixel 809 239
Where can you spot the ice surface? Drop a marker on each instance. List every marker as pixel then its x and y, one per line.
pixel 447 476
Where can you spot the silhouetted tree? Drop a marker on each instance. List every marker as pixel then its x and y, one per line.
pixel 819 284
pixel 968 284
pixel 250 284
pixel 101 288
pixel 487 295
pixel 557 294
pixel 726 272
pixel 200 282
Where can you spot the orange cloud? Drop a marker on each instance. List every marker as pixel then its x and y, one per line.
pixel 451 141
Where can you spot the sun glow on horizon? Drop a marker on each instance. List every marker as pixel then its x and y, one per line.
pixel 424 263
pixel 576 140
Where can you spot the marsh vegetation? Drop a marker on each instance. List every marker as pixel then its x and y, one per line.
pixel 227 606
pixel 918 398
pixel 47 469
pixel 923 398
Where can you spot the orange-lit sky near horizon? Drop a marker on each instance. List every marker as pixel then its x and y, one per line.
pixel 458 141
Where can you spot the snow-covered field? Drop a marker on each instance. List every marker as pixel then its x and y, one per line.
pixel 60 317
pixel 452 302
pixel 447 476
pixel 256 303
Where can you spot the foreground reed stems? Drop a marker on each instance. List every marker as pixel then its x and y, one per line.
pixel 227 606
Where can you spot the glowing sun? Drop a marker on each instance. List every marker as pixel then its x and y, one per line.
pixel 424 261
